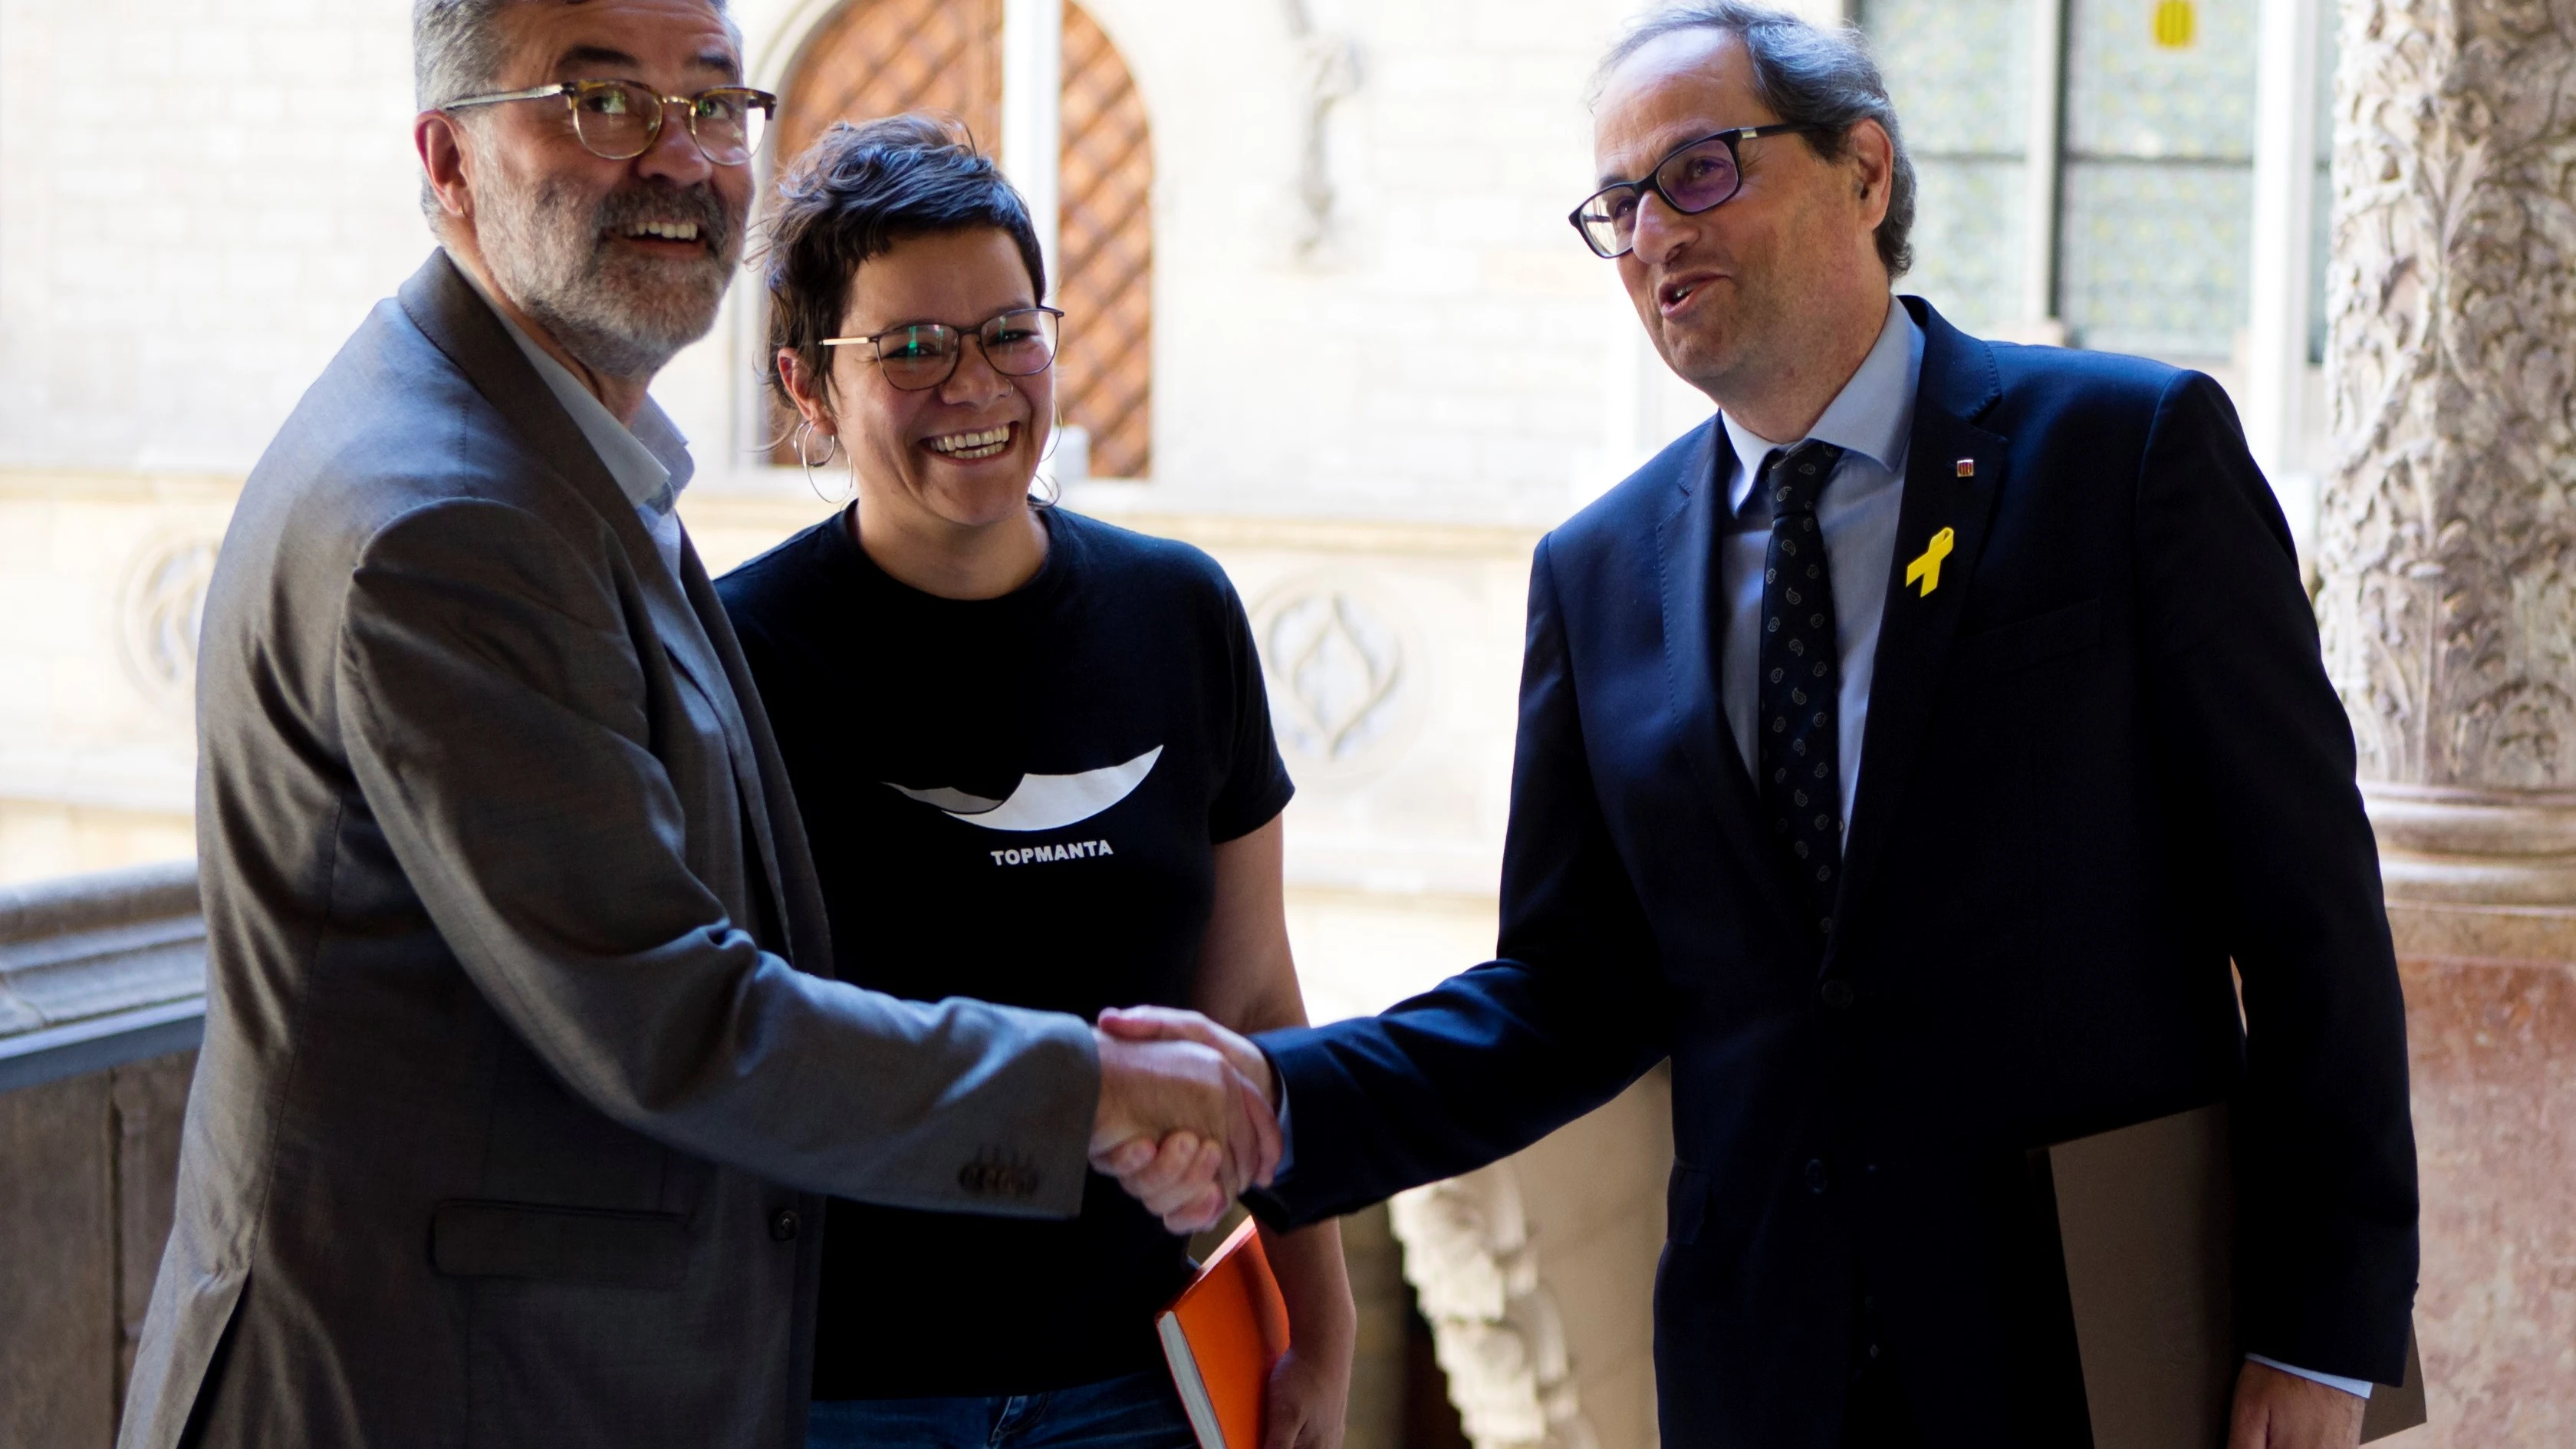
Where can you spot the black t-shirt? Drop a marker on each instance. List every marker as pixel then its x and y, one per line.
pixel 1015 799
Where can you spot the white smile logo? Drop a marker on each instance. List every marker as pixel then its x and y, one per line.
pixel 1043 802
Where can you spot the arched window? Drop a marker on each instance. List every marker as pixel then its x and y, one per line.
pixel 875 58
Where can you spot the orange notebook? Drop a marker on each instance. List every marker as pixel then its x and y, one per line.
pixel 1222 1336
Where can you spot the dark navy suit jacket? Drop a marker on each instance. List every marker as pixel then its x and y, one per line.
pixel 2102 760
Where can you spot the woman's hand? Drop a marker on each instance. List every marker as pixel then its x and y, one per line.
pixel 1307 1402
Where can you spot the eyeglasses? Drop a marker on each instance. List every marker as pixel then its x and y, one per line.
pixel 919 356
pixel 1703 174
pixel 620 120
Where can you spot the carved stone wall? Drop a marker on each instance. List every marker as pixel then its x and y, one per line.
pixel 2448 541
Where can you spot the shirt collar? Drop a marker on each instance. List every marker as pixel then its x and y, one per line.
pixel 650 461
pixel 1873 415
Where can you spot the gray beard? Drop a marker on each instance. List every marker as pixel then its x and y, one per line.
pixel 620 316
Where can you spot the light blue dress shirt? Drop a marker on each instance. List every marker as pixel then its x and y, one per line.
pixel 1870 420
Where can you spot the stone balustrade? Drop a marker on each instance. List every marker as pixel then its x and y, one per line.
pixel 102 982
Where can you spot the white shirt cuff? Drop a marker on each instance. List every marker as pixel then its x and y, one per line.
pixel 1287 1138
pixel 2358 1388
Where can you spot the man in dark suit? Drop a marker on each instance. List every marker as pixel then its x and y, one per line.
pixel 1905 753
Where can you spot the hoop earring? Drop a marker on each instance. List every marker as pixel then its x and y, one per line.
pixel 1050 491
pixel 831 449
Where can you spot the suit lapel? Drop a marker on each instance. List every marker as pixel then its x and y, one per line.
pixel 457 321
pixel 1686 545
pixel 769 811
pixel 1958 384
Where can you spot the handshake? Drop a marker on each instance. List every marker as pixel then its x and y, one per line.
pixel 1188 1114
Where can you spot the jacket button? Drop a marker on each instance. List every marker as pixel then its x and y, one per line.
pixel 1816 1174
pixel 1837 994
pixel 782 1228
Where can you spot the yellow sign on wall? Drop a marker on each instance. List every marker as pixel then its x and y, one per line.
pixel 2174 23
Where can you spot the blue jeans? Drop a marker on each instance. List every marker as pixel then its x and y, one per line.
pixel 1139 1411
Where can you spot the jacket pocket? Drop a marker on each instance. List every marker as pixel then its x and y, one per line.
pixel 571 1245
pixel 1685 1204
pixel 2025 642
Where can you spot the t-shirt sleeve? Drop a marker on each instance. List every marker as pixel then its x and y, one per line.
pixel 1256 786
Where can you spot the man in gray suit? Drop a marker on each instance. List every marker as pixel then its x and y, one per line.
pixel 516 1116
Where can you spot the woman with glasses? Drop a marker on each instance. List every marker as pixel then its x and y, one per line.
pixel 1033 755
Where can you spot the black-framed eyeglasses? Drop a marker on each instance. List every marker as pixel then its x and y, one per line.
pixel 620 120
pixel 919 356
pixel 1695 177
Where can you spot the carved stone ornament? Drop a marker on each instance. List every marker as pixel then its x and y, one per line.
pixel 1343 694
pixel 2447 546
pixel 1328 73
pixel 159 613
pixel 1494 1327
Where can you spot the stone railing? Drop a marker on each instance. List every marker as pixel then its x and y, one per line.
pixel 102 1003
pixel 99 970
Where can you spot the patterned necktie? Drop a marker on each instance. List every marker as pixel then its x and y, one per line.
pixel 1800 685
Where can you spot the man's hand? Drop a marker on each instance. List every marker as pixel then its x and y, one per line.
pixel 1179 1127
pixel 2275 1410
pixel 1164 1023
pixel 1187 1177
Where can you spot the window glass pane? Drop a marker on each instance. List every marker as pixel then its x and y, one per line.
pixel 2321 217
pixel 2320 256
pixel 1968 241
pixel 2129 95
pixel 2152 256
pixel 2157 191
pixel 1959 71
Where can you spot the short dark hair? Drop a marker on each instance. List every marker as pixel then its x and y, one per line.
pixel 852 196
pixel 1808 75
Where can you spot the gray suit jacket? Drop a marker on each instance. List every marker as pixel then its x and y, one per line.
pixel 514 1119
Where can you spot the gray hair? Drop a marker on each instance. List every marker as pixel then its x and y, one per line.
pixel 1808 75
pixel 456 51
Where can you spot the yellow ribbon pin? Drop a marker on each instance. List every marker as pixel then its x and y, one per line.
pixel 1928 567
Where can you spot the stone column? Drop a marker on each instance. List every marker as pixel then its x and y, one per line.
pixel 2448 548
pixel 2447 556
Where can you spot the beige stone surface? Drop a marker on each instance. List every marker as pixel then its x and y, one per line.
pixel 2491 1021
pixel 100 579
pixel 1595 1196
pixel 58 1376
pixel 41 839
pixel 1537 1275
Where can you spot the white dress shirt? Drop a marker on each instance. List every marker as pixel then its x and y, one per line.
pixel 650 461
pixel 1871 420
